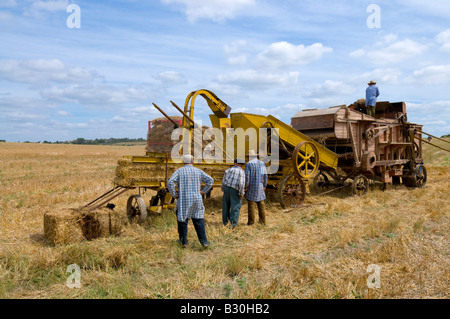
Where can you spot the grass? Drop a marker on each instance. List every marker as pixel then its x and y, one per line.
pixel 319 251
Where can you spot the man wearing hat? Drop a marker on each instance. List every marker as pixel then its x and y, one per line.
pixel 372 93
pixel 233 186
pixel 189 204
pixel 255 186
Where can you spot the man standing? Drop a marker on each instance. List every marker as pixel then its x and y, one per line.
pixel 233 186
pixel 372 93
pixel 256 182
pixel 189 199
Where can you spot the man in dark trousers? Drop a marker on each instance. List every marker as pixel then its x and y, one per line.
pixel 189 204
pixel 233 186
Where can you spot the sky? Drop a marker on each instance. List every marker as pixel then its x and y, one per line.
pixel 92 69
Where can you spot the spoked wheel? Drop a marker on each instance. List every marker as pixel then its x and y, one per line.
pixel 418 178
pixel 136 209
pixel 305 159
pixel 360 185
pixel 320 183
pixel 421 176
pixel 291 191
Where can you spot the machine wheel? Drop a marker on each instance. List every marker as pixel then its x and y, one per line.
pixel 418 179
pixel 305 159
pixel 320 182
pixel 291 191
pixel 360 185
pixel 136 209
pixel 421 176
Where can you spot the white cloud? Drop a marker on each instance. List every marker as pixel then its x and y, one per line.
pixel 285 54
pixel 444 39
pixel 252 79
pixel 357 53
pixel 42 71
pixel 431 75
pixel 234 54
pixel 390 51
pixel 171 78
pixel 330 88
pixel 396 52
pixel 215 10
pixel 384 76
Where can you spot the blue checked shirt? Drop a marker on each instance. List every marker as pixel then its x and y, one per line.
pixel 234 177
pixel 256 179
pixel 189 181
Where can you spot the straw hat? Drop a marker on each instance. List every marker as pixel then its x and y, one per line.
pixel 251 153
pixel 372 82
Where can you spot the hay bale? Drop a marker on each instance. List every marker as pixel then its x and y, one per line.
pixel 75 225
pixel 63 227
pixel 159 135
pixel 101 222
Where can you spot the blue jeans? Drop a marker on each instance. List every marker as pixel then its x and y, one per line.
pixel 231 206
pixel 199 225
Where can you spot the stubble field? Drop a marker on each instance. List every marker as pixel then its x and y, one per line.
pixel 322 250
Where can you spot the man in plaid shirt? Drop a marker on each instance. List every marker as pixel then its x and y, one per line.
pixel 189 204
pixel 256 182
pixel 233 185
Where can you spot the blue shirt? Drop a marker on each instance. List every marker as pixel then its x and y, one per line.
pixel 234 177
pixel 256 179
pixel 189 180
pixel 372 93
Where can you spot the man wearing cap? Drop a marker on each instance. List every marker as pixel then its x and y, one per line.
pixel 189 204
pixel 233 186
pixel 255 186
pixel 372 93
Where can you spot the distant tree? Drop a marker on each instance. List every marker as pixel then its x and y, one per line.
pixel 80 140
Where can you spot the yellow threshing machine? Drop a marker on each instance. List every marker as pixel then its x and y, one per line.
pixel 300 158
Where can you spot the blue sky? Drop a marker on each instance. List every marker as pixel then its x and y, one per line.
pixel 258 56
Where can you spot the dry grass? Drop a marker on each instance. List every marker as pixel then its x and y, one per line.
pixel 319 251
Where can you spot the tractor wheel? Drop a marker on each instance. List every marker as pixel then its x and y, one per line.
pixel 136 209
pixel 360 185
pixel 305 159
pixel 291 191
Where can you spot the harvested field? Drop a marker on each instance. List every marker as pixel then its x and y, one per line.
pixel 322 250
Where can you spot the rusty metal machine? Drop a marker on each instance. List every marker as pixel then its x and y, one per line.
pixel 385 148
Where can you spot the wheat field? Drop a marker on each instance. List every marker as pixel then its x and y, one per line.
pixel 322 250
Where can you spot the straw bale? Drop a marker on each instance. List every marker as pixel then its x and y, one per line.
pixel 127 174
pixel 75 225
pixel 63 227
pixel 101 222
